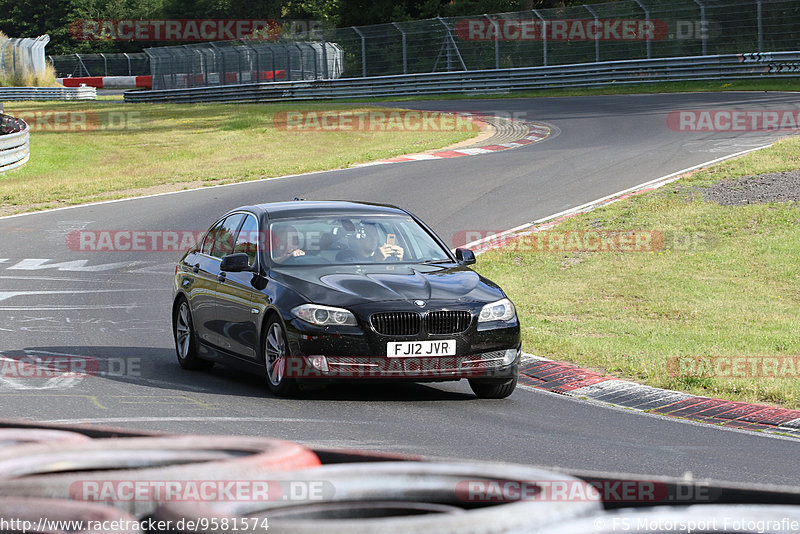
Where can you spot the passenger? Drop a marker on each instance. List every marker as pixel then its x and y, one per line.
pixel 365 248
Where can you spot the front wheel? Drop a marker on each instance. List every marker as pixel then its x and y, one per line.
pixel 493 390
pixel 276 354
pixel 185 341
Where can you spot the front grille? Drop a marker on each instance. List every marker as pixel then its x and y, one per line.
pixel 408 323
pixel 414 367
pixel 447 322
pixel 396 323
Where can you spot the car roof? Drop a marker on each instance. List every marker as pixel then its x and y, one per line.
pixel 299 208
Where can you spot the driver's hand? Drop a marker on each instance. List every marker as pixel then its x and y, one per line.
pixel 391 251
pixel 386 251
pixel 297 252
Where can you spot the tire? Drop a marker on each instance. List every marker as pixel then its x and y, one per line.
pixel 185 339
pixel 73 470
pixel 84 514
pixel 493 390
pixel 275 350
pixel 20 436
pixel 402 497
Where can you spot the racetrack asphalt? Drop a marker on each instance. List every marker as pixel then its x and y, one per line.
pixel 114 306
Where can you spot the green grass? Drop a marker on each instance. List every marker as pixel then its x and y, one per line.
pixel 767 84
pixel 141 146
pixel 726 283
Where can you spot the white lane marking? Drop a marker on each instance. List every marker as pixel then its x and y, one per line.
pixel 52 279
pixel 10 366
pixel 658 182
pixel 126 307
pixel 195 419
pixel 11 294
pixel 36 264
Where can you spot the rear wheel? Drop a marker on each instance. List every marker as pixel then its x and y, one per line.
pixel 493 390
pixel 185 341
pixel 276 354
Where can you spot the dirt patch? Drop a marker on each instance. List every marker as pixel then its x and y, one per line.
pixel 772 187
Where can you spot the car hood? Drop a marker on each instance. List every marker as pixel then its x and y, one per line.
pixel 352 285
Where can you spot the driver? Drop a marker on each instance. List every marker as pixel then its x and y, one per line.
pixel 367 248
pixel 286 243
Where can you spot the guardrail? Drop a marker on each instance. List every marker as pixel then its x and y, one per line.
pixel 48 93
pixel 730 66
pixel 14 146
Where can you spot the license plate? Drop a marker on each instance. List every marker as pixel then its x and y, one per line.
pixel 444 347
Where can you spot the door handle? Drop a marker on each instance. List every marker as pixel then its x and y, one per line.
pixel 221 277
pixel 196 268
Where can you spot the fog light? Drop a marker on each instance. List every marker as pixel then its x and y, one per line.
pixel 320 363
pixel 510 356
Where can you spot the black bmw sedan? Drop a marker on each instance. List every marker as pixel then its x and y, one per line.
pixel 309 291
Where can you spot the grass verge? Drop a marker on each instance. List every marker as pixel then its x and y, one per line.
pixel 710 86
pixel 724 287
pixel 87 151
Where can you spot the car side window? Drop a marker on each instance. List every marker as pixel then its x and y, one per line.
pixel 208 239
pixel 247 240
pixel 223 238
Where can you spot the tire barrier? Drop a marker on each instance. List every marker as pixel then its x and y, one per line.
pixel 729 518
pixel 111 469
pixel 14 143
pixel 91 431
pixel 214 484
pixel 19 436
pixel 398 497
pixel 19 511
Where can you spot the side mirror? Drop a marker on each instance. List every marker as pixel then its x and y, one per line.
pixel 465 256
pixel 236 263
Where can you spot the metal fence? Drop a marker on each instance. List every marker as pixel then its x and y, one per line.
pixel 626 29
pixel 79 65
pixel 492 81
pixel 48 93
pixel 234 62
pixel 21 57
pixel 591 33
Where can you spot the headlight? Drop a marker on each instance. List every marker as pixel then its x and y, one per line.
pixel 324 315
pixel 502 310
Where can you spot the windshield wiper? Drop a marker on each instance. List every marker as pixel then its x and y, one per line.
pixel 430 262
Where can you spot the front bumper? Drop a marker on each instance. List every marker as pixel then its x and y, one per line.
pixel 360 352
pixel 494 366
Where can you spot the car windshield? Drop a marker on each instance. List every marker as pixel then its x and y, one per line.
pixel 342 240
